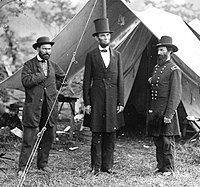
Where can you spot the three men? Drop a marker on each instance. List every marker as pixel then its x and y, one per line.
pixel 103 94
pixel 166 93
pixel 41 79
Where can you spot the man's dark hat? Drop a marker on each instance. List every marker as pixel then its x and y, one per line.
pixel 13 106
pixel 167 41
pixel 42 40
pixel 101 26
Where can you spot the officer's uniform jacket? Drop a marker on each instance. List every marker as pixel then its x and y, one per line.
pixel 37 86
pixel 103 89
pixel 166 93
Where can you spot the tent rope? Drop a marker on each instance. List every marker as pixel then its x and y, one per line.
pixel 41 133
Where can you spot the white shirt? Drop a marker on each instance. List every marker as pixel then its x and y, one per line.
pixel 105 55
pixel 43 64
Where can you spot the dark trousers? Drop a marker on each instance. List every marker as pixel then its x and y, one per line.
pixel 29 137
pixel 28 141
pixel 102 150
pixel 165 152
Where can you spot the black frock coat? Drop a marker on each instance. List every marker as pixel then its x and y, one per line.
pixel 103 89
pixel 37 85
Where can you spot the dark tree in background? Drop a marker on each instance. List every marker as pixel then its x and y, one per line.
pixel 54 14
pixel 12 48
pixel 187 10
pixel 9 47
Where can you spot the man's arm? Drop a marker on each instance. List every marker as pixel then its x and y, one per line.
pixel 120 104
pixel 175 94
pixel 87 78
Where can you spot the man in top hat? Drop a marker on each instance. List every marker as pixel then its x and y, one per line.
pixel 41 79
pixel 166 93
pixel 103 94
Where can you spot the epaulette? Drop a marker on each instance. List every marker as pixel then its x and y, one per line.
pixel 156 66
pixel 174 67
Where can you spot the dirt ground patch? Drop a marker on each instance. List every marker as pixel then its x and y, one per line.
pixel 134 163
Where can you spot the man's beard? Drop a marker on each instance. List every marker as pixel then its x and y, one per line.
pixel 104 45
pixel 161 59
pixel 44 56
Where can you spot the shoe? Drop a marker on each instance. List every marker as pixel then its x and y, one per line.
pixel 46 169
pixel 96 172
pixel 19 173
pixel 167 173
pixel 110 171
pixel 157 171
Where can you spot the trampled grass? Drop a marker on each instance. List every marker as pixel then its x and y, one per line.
pixel 134 163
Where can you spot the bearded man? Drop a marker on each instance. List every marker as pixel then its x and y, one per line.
pixel 166 93
pixel 41 79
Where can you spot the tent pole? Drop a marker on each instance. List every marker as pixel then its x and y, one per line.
pixel 104 9
pixel 146 91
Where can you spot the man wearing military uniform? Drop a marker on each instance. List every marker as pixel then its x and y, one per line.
pixel 166 93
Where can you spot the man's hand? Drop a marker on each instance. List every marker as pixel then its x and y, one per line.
pixel 149 80
pixel 167 120
pixel 88 109
pixel 120 109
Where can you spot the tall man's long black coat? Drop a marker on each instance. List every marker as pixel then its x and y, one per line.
pixel 103 89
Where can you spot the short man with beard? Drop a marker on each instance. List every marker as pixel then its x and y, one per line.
pixel 166 93
pixel 41 79
pixel 103 94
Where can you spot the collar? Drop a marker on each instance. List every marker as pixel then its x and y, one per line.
pixel 40 59
pixel 168 59
pixel 166 62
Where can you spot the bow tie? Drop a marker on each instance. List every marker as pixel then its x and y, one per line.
pixel 104 50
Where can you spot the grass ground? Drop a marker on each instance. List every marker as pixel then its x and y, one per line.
pixel 134 162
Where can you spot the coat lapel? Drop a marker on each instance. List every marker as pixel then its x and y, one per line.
pixel 99 58
pixel 37 64
pixel 112 56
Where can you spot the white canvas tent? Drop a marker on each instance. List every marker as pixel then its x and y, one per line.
pixel 195 24
pixel 134 34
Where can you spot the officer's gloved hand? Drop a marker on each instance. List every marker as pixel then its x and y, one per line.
pixel 37 131
pixel 120 109
pixel 149 80
pixel 167 120
pixel 88 109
